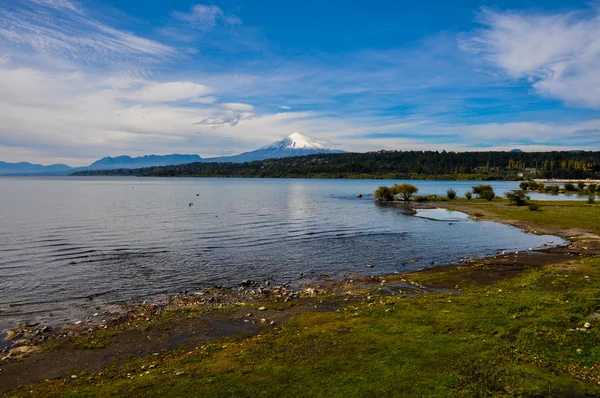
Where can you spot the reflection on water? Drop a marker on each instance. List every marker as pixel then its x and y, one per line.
pixel 70 245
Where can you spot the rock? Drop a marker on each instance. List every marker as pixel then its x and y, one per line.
pixel 179 373
pixel 23 350
pixel 369 265
pixel 587 325
pixel 262 309
pixel 11 334
pixel 263 320
pixel 73 376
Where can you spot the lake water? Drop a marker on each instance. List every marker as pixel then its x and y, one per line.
pixel 70 246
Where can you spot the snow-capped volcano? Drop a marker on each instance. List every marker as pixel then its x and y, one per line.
pixel 298 141
pixel 293 145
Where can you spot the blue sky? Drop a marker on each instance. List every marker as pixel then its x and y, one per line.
pixel 84 79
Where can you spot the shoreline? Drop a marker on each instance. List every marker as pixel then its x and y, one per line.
pixel 255 308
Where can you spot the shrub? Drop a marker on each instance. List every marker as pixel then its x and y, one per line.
pixel 517 197
pixel 468 195
pixel 581 185
pixel 488 194
pixel 569 187
pixel 384 193
pixel 421 199
pixel 553 189
pixel 479 189
pixel 591 199
pixel 534 207
pixel 524 185
pixel 541 187
pixel 404 190
pixel 592 187
pixel 451 193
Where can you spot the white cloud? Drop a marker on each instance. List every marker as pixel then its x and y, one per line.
pixel 220 119
pixel 74 36
pixel 559 53
pixel 171 91
pixel 206 16
pixel 58 4
pixel 236 106
pixel 287 108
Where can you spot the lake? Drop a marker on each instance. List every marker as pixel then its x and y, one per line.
pixel 71 246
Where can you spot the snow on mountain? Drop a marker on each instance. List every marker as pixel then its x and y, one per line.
pixel 295 144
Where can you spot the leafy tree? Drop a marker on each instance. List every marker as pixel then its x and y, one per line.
pixel 581 185
pixel 488 194
pixel 569 187
pixel 524 185
pixel 591 199
pixel 592 188
pixel 384 193
pixel 468 195
pixel 405 191
pixel 554 189
pixel 479 189
pixel 451 193
pixel 518 197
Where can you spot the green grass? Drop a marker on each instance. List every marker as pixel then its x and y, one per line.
pixel 563 214
pixel 96 340
pixel 511 338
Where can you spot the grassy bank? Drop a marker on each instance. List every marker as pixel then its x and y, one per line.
pixel 531 331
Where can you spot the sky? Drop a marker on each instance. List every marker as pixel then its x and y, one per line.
pixel 80 80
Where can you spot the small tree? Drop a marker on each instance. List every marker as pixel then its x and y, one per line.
pixel 480 188
pixel 406 191
pixel 541 187
pixel 592 188
pixel 488 194
pixel 569 187
pixel 524 185
pixel 468 195
pixel 553 189
pixel 581 185
pixel 534 186
pixel 591 199
pixel 384 193
pixel 517 198
pixel 451 193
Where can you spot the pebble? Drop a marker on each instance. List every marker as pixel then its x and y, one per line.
pixel 262 309
pixel 179 373
pixel 369 265
pixel 73 376
pixel 587 325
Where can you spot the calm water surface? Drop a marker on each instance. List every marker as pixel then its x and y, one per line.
pixel 71 246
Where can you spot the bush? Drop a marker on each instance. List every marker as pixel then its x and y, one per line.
pixel 569 187
pixel 421 199
pixel 468 195
pixel 517 198
pixel 554 189
pixel 592 188
pixel 404 190
pixel 480 189
pixel 591 199
pixel 541 187
pixel 451 193
pixel 384 193
pixel 488 194
pixel 524 185
pixel 534 207
pixel 581 185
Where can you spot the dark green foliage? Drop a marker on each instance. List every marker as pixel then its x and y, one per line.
pixel 421 199
pixel 468 195
pixel 534 206
pixel 591 199
pixel 484 192
pixel 592 188
pixel 570 187
pixel 389 164
pixel 524 185
pixel 581 185
pixel 451 193
pixel 405 191
pixel 553 189
pixel 384 193
pixel 517 198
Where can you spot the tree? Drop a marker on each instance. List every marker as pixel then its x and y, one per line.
pixel 384 193
pixel 468 195
pixel 488 194
pixel 406 191
pixel 524 185
pixel 569 187
pixel 517 198
pixel 479 189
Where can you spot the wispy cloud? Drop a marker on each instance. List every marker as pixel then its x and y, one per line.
pixel 220 119
pixel 206 17
pixel 559 53
pixel 61 33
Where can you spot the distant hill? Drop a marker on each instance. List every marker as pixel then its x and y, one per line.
pixel 25 168
pixel 127 162
pixel 516 150
pixel 295 144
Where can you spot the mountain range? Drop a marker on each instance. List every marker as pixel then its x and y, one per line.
pixel 295 144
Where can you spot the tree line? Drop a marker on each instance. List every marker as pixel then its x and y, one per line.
pixel 393 165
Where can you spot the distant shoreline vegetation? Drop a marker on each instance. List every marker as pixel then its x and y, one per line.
pixel 405 165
